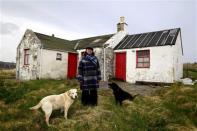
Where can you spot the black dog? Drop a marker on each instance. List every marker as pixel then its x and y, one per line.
pixel 119 94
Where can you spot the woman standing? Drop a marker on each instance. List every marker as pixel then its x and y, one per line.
pixel 89 75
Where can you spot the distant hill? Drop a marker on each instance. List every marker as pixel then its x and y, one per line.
pixel 7 65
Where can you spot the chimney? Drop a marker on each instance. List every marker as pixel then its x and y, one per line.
pixel 53 35
pixel 121 26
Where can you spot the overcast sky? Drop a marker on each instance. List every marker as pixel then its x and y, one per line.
pixel 79 19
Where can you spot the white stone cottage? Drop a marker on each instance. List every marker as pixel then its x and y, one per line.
pixel 41 56
pixel 150 57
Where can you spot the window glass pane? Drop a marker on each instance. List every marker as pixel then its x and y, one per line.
pixel 146 52
pixel 140 59
pixel 146 64
pixel 140 53
pixel 27 51
pixel 26 56
pixel 27 59
pixel 143 53
pixel 146 59
pixel 140 64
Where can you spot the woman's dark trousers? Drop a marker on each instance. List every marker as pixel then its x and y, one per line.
pixel 89 97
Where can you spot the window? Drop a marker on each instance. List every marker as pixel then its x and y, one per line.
pixel 143 59
pixel 26 56
pixel 59 56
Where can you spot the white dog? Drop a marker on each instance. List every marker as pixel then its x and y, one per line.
pixel 54 102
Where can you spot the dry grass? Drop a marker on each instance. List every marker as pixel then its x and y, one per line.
pixel 190 70
pixel 7 73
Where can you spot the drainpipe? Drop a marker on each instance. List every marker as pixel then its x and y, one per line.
pixel 104 61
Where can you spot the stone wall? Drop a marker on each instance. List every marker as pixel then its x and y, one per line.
pixel 31 71
pixel 109 63
pixel 108 66
pixel 106 62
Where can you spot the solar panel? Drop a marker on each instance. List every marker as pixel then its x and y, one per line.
pixel 164 43
pixel 147 39
pixel 175 36
pixel 133 41
pixel 146 35
pixel 159 38
pixel 162 39
pixel 169 40
pixel 173 32
pixel 140 39
pixel 152 36
pixel 122 42
pixel 127 44
pixel 136 40
pixel 154 41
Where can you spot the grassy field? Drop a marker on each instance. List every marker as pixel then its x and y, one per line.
pixel 190 70
pixel 172 108
pixel 7 73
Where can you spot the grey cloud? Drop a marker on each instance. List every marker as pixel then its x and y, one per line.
pixel 8 28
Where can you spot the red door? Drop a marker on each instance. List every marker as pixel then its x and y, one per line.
pixel 72 65
pixel 120 66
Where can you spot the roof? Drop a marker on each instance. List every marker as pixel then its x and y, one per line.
pixel 149 39
pixel 97 41
pixel 54 43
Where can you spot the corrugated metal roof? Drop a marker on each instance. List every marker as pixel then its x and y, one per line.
pixel 150 39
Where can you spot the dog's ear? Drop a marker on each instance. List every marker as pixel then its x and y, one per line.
pixel 113 83
pixel 69 92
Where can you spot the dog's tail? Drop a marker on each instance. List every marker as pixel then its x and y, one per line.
pixel 135 96
pixel 36 106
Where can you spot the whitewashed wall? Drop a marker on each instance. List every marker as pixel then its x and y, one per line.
pixel 31 71
pixel 161 65
pixel 178 59
pixel 52 68
pixel 115 39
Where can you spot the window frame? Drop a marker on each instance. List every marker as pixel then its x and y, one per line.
pixel 59 58
pixel 143 56
pixel 26 56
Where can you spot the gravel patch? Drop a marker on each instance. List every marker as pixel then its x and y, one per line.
pixel 144 90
